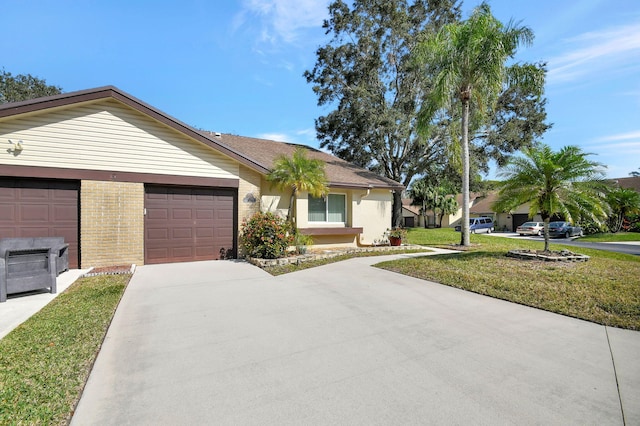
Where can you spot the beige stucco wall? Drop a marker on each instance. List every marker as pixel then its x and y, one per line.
pixel 108 135
pixel 370 210
pixel 112 223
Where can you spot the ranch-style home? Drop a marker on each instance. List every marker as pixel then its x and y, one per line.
pixel 123 182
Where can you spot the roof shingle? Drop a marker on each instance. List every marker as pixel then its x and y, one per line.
pixel 340 173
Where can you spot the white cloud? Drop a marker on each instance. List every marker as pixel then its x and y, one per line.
pixel 283 19
pixel 600 52
pixel 279 137
pixel 621 146
pixel 621 136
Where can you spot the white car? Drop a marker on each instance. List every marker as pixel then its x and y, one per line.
pixel 531 228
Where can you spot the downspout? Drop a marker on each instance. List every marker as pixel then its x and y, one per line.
pixel 358 243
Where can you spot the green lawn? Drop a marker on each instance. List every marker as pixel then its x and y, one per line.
pixel 605 290
pixel 607 238
pixel 44 362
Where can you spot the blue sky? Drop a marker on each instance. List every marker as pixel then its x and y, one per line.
pixel 236 66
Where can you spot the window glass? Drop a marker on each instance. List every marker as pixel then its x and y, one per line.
pixel 336 208
pixel 317 210
pixel 328 209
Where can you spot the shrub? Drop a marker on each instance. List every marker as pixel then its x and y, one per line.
pixel 591 227
pixel 266 236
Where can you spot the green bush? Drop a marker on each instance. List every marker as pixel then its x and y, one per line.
pixel 590 227
pixel 266 236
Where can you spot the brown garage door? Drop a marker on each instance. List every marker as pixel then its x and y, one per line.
pixel 187 224
pixel 40 208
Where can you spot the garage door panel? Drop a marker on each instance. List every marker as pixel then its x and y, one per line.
pixel 157 213
pixel 224 232
pixel 191 222
pixel 33 232
pixel 224 214
pixel 181 233
pixel 181 214
pixel 202 214
pixel 157 253
pixel 7 213
pixel 183 253
pixel 157 234
pixel 202 232
pixel 34 213
pixel 41 208
pixel 63 213
pixel 33 194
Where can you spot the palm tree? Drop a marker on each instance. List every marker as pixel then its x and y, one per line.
pixel 623 201
pixel 298 173
pixel 563 182
pixel 469 58
pixel 449 206
pixel 419 193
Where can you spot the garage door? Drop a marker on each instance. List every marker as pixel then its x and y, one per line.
pixel 188 224
pixel 519 219
pixel 40 208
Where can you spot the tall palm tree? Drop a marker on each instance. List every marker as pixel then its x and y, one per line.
pixel 470 62
pixel 298 173
pixel 623 201
pixel 563 182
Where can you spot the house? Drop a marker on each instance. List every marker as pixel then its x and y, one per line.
pixel 123 182
pixel 631 182
pixel 411 217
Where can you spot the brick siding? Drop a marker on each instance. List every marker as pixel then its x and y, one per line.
pixel 112 223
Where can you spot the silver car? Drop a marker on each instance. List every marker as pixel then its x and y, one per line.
pixel 531 228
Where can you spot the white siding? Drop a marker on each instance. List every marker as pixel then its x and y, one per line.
pixel 110 136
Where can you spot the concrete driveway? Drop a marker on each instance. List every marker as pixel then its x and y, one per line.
pixel 225 343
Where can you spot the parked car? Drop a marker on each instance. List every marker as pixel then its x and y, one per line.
pixel 531 228
pixel 564 229
pixel 478 224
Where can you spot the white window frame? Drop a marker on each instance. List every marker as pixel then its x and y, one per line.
pixel 326 209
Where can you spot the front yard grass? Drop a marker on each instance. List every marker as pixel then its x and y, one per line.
pixel 604 290
pixel 45 362
pixel 610 238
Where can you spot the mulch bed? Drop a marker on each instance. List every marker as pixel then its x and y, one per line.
pixel 548 256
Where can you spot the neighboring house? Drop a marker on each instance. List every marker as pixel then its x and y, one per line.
pixel 414 219
pixel 503 221
pixel 123 182
pixel 632 182
pixel 411 217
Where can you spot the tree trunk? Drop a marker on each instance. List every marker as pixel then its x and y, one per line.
pixel 396 217
pixel 291 202
pixel 464 237
pixel 546 220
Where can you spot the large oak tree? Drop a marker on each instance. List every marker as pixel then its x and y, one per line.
pixel 367 73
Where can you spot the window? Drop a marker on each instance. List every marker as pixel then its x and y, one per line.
pixel 327 209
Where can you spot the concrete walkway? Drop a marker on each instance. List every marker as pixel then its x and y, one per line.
pixel 19 308
pixel 225 343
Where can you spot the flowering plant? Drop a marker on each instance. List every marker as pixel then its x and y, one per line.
pixel 266 236
pixel 397 232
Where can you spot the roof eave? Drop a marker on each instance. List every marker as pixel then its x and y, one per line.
pixel 105 92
